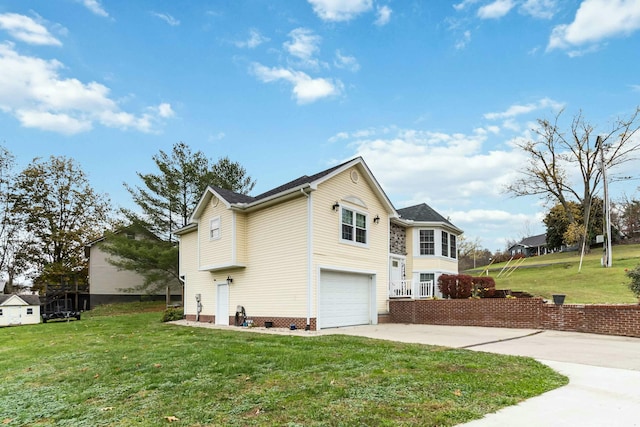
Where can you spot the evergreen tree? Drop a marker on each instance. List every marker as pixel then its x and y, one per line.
pixel 166 200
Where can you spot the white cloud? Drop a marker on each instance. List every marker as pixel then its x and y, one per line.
pixel 54 122
pixel 635 88
pixel 25 29
pixel 345 61
pixel 304 43
pixel 495 10
pixel 340 10
pixel 384 16
pixel 32 91
pixel 595 21
pixel 464 40
pixel 167 18
pixel 517 110
pixel 543 9
pixel 255 39
pixel 305 88
pixel 95 7
pixel 463 5
pixel 165 111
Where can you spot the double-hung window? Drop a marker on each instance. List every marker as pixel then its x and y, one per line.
pixel 427 242
pixel 453 250
pixel 214 228
pixel 445 243
pixel 29 310
pixel 354 226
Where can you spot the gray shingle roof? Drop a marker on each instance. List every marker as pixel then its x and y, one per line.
pixel 233 197
pixel 29 299
pixel 423 213
pixel 534 241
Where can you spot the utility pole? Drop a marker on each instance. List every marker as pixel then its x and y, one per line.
pixel 607 255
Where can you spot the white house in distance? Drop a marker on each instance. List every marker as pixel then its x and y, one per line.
pixel 321 251
pixel 19 310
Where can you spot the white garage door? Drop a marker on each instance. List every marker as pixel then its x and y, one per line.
pixel 345 299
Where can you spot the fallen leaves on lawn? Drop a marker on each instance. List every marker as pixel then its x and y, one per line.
pixel 107 408
pixel 457 392
pixel 157 365
pixel 6 421
pixel 171 418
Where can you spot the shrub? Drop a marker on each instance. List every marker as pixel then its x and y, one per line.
pixel 455 286
pixel 634 275
pixel 484 287
pixel 172 313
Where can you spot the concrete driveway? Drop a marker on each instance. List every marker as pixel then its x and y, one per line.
pixel 604 371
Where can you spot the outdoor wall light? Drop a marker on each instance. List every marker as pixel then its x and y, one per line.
pixel 377 219
pixel 335 206
pixel 229 280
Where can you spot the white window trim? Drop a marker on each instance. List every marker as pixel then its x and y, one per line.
pixel 437 241
pixel 219 228
pixel 366 223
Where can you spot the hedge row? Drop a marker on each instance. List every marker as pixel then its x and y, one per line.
pixel 457 286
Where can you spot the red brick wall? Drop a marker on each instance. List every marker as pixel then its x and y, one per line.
pixel 529 313
pixel 278 322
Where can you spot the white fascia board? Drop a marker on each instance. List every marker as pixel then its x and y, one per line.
pixel 276 198
pixel 204 200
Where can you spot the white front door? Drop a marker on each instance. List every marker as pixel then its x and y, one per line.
pixel 396 270
pixel 396 276
pixel 222 305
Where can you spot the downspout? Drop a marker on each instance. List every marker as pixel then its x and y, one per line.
pixel 309 256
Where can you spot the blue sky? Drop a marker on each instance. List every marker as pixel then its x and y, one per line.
pixel 431 94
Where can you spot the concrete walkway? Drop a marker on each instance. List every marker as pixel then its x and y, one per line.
pixel 603 371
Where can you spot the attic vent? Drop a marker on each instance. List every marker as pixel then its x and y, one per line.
pixel 354 176
pixel 214 201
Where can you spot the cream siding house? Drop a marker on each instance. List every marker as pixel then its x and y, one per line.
pixel 19 310
pixel 314 253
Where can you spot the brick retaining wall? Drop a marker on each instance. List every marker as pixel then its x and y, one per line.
pixel 528 313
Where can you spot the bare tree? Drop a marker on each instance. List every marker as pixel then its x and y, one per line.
pixel 567 167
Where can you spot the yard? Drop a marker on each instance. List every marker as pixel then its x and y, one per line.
pixel 113 369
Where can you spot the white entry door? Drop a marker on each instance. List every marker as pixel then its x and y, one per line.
pixel 222 305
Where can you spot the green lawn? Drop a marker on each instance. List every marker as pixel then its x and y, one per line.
pixel 558 274
pixel 131 370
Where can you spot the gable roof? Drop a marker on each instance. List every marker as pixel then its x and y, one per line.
pixel 534 241
pixel 424 213
pixel 14 299
pixel 305 183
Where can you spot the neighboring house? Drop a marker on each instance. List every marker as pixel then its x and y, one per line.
pixel 108 284
pixel 321 251
pixel 19 310
pixel 530 246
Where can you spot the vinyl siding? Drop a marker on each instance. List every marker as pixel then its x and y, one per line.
pixel 330 251
pixel 106 279
pixel 219 251
pixel 196 282
pixel 274 281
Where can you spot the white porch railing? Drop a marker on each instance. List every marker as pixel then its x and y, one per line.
pixel 411 289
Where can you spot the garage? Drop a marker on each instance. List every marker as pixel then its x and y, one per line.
pixel 345 299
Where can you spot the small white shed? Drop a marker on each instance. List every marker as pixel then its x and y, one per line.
pixel 19 310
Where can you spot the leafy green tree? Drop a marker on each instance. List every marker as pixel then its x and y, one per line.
pixel 561 231
pixel 166 200
pixel 60 212
pixel 12 243
pixel 555 157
